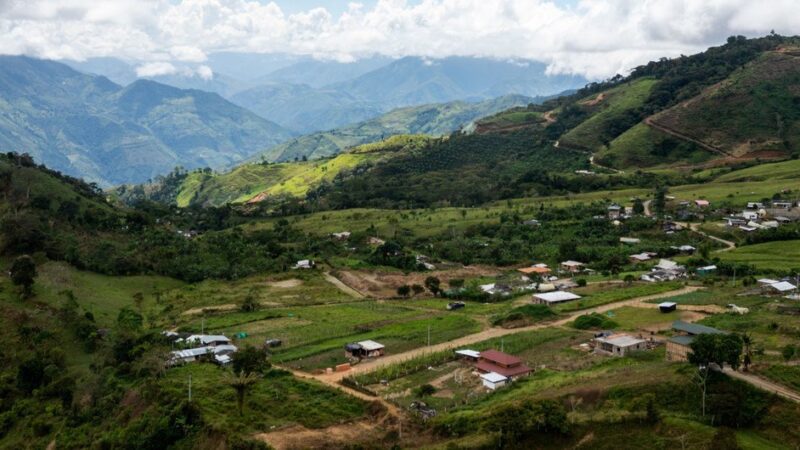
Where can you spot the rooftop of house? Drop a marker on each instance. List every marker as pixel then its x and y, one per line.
pixel 694 329
pixel 369 345
pixel 620 340
pixel 557 296
pixel 493 377
pixel 500 357
pixel 682 340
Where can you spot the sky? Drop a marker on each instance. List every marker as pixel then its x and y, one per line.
pixel 593 38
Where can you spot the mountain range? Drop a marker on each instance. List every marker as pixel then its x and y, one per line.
pixel 306 95
pixel 88 126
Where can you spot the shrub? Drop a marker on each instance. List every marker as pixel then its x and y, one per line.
pixel 593 321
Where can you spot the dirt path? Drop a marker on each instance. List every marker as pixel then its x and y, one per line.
pixel 374 364
pixel 729 245
pixel 675 133
pixel 764 384
pixel 647 211
pixel 595 164
pixel 342 287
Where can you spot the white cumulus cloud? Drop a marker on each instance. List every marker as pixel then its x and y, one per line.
pixel 595 38
pixel 155 69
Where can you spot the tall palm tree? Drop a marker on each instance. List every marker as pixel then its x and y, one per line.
pixel 241 383
pixel 747 344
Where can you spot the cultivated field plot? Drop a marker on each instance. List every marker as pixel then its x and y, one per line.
pixel 313 337
pixel 384 284
pixel 778 255
pixel 603 294
pixel 770 328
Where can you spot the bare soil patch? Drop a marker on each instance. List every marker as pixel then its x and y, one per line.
pixel 290 283
pixel 378 284
pixel 334 437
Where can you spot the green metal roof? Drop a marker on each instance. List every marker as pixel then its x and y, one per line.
pixel 694 329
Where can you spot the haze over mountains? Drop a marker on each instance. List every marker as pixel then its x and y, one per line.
pixel 110 126
pixel 306 95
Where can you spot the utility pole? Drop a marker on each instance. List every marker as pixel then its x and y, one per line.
pixel 203 325
pixel 429 335
pixel 190 388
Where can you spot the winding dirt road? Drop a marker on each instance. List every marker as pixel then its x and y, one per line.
pixel 764 384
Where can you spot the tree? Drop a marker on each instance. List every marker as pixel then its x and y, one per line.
pixel 404 290
pixel 747 350
pixel 241 383
pixel 717 349
pixel 249 303
pixel 660 200
pixel 638 206
pixel 23 273
pixel 417 289
pixel 129 319
pixel 138 299
pixel 250 360
pixel 433 285
pixel 788 352
pixel 629 279
pixel 456 283
pixel 425 390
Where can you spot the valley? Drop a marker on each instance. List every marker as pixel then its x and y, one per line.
pixel 615 267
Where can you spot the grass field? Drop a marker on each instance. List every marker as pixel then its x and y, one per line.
pixel 630 318
pixel 770 256
pixel 614 293
pixel 277 400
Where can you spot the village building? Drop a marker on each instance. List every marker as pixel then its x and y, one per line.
pixel 778 288
pixel 305 264
pixel 684 248
pixel 531 223
pixel 342 235
pixel 630 240
pixel 641 257
pixel 619 344
pixel 666 307
pixel 206 340
pixel 615 211
pixel 501 363
pixel 572 266
pixel 735 221
pixel 219 354
pixel 706 270
pixel 364 349
pixel 538 269
pixel 468 355
pixel 679 346
pixel 493 380
pixel 702 203
pixel 782 204
pixel 372 240
pixel 549 298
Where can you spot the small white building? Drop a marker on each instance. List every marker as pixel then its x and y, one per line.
pixel 493 380
pixel 207 339
pixel 549 298
pixel 630 240
pixel 781 287
pixel 304 264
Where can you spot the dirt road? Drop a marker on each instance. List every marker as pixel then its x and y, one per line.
pixel 374 364
pixel 729 245
pixel 764 384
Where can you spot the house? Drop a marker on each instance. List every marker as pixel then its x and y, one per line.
pixel 538 269
pixel 782 204
pixel 679 346
pixel 423 261
pixel 618 344
pixel 493 380
pixel 666 264
pixel 375 241
pixel 781 287
pixel 452 306
pixel 706 270
pixel 641 257
pixel 531 223
pixel 755 205
pixel 468 355
pixel 630 240
pixel 684 248
pixel 304 264
pixel 545 287
pixel 572 266
pixel 665 270
pixel 615 211
pixel 341 236
pixel 206 340
pixel 666 307
pixel 749 215
pixel 220 354
pixel 364 349
pixel 735 221
pixel 701 203
pixel 549 298
pixel 496 289
pixel 501 363
pixel 671 227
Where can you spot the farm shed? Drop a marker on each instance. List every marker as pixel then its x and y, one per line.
pixel 679 347
pixel 493 380
pixel 666 307
pixel 549 298
pixel 364 349
pixel 469 355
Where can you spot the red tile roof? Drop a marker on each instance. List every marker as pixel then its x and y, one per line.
pixel 486 366
pixel 500 357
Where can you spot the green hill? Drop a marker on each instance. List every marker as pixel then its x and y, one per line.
pixel 432 119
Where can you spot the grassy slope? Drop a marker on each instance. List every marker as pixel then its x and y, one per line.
pixel 294 179
pixel 754 110
pixel 590 134
pixel 643 146
pixel 779 255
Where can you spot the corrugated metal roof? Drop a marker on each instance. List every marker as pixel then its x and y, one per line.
pixel 370 345
pixel 493 377
pixel 693 328
pixel 682 340
pixel 557 296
